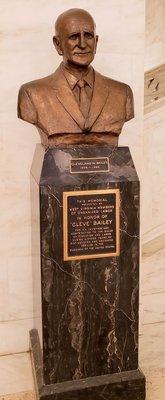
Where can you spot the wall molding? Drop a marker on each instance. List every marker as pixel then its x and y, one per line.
pixel 154 88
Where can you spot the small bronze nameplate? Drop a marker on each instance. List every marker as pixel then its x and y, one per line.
pixel 91 224
pixel 81 165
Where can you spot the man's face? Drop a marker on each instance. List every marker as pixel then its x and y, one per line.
pixel 77 40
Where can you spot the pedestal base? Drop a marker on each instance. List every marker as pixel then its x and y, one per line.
pixel 129 385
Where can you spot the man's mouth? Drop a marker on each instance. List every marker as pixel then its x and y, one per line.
pixel 82 54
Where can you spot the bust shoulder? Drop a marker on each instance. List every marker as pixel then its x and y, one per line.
pixel 37 84
pixel 114 85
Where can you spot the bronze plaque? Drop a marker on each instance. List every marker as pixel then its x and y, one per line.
pixel 91 224
pixel 87 165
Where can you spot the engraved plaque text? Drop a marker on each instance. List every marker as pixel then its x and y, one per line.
pixel 91 224
pixel 82 165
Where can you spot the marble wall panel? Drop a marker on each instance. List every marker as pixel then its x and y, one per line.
pixel 153 215
pixel 15 221
pixel 153 278
pixel 27 53
pixel 20 288
pixel 153 190
pixel 152 351
pixel 3 290
pixel 155 33
pixel 15 336
pixel 153 308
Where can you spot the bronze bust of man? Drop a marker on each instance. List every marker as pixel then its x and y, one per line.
pixel 76 104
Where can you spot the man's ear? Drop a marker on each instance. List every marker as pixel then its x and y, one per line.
pixel 97 38
pixel 56 42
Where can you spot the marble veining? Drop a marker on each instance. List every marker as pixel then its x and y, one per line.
pixel 89 307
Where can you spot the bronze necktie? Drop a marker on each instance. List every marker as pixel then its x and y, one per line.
pixel 84 102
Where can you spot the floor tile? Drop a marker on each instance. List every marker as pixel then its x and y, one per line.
pixel 19 396
pixel 16 374
pixel 155 384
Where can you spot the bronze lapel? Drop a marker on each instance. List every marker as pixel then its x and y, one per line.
pixel 100 94
pixel 66 97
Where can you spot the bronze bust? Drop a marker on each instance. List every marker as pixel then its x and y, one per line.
pixel 76 104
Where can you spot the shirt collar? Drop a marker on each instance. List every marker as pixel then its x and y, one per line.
pixel 72 80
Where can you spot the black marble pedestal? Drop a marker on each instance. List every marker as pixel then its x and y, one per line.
pixel 85 248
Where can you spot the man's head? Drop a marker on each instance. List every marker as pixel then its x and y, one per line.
pixel 75 38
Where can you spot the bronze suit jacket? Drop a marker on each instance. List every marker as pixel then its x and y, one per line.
pixel 50 104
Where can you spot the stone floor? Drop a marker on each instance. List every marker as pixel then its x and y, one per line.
pixel 16 374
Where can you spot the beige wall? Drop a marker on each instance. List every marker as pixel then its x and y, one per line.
pixel 153 210
pixel 153 188
pixel 27 53
pixel 155 33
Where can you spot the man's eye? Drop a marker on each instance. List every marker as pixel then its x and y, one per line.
pixel 73 37
pixel 88 35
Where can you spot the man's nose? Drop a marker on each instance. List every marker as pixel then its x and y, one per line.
pixel 82 42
